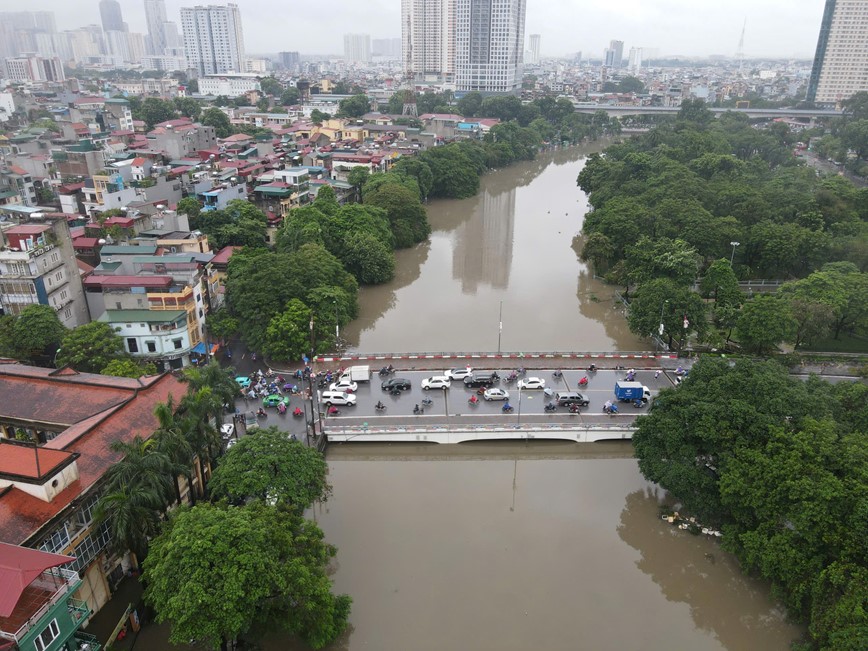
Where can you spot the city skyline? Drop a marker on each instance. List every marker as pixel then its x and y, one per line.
pixel 775 28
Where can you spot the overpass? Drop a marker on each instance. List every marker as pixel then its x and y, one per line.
pixel 617 110
pixel 443 434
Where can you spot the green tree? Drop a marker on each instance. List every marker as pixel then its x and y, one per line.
pixel 273 468
pixel 246 569
pixel 598 250
pixel 368 258
pixel 676 303
pixel 288 335
pixel 191 207
pixel 214 117
pixel 469 105
pixel 221 324
pixel 662 258
pixel 91 347
pixel 318 117
pixel 357 178
pixel 354 107
pixel 188 107
pixel 138 489
pixel 34 332
pixel 173 443
pixel 406 214
pixel 763 323
pixel 630 84
pixel 154 110
pixel 128 368
pixel 290 96
pixel 817 302
pixel 271 86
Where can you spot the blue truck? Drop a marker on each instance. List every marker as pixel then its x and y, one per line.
pixel 631 391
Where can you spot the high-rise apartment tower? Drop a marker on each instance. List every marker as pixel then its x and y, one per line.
pixel 112 18
pixel 533 43
pixel 489 45
pixel 213 38
pixel 155 15
pixel 428 40
pixel 841 62
pixel 357 48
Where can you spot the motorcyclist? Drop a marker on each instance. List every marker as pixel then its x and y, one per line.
pixel 473 399
pixel 379 405
pixel 297 411
pixel 592 368
pixel 607 407
pixel 506 406
pixel 416 409
pixel 260 412
pixel 333 410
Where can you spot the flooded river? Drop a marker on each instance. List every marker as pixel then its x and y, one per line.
pixel 512 244
pixel 516 547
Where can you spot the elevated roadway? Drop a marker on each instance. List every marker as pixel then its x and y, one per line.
pixel 624 110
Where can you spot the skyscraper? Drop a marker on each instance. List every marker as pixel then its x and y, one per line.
pixel 614 54
pixel 840 69
pixel 428 39
pixel 489 45
pixel 112 18
pixel 155 15
pixel 213 38
pixel 534 47
pixel 357 48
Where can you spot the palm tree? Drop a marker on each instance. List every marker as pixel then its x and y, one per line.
pixel 222 385
pixel 172 442
pixel 137 491
pixel 133 516
pixel 196 410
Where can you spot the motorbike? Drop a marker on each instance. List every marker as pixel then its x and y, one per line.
pixel 418 410
pixel 512 377
pixel 550 406
pixel 495 377
pixel 281 408
pixel 557 374
pixel 521 370
pixel 610 409
pixel 386 370
pixel 261 413
pixel 473 401
pixel 427 402
pixel 297 412
pixel 592 368
pixel 638 403
pixel 584 381
pixel 507 408
pixel 574 408
pixel 380 406
pixel 395 391
pixel 334 411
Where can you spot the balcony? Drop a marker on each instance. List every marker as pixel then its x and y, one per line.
pixel 36 600
pixel 86 642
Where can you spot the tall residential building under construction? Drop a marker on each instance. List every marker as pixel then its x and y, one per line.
pixel 467 44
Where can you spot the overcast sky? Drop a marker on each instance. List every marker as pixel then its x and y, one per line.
pixel 783 28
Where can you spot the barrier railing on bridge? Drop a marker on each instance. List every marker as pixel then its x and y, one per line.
pixel 350 356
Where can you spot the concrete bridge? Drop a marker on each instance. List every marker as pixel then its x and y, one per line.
pixel 446 435
pixel 623 110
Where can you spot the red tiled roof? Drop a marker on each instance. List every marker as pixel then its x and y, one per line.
pixel 21 460
pixel 138 162
pixel 85 242
pixel 118 412
pixel 83 267
pixel 28 229
pixel 224 254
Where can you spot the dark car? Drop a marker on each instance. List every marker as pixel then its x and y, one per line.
pixel 399 383
pixel 478 380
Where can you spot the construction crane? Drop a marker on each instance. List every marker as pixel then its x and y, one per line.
pixel 408 90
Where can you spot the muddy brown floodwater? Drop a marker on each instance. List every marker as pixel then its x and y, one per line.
pixel 542 547
pixel 511 243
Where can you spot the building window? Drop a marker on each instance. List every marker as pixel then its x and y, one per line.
pixel 132 345
pixel 151 346
pixel 178 343
pixel 46 637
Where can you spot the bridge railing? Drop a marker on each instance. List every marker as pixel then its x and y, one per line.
pixel 349 356
pixel 361 430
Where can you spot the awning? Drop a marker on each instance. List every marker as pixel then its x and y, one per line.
pixel 199 349
pixel 19 567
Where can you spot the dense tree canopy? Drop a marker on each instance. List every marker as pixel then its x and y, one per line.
pixel 781 465
pixel 273 468
pixel 31 335
pixel 247 570
pixel 214 117
pixel 91 347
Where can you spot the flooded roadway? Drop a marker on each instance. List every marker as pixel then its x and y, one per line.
pixel 511 243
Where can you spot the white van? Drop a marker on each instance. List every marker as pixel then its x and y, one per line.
pixel 338 398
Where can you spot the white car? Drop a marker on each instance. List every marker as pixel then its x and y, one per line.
pixel 458 373
pixel 495 394
pixel 344 385
pixel 436 382
pixel 227 431
pixel 531 383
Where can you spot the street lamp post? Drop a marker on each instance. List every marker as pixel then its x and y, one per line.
pixel 661 327
pixel 313 414
pixel 337 326
pixel 732 257
pixel 518 420
pixel 499 327
pixel 56 353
